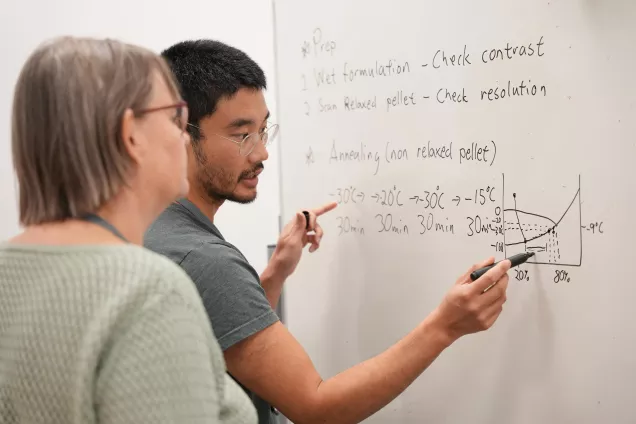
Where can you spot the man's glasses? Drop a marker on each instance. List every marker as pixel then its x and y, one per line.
pixel 247 143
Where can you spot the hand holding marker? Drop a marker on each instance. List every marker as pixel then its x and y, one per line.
pixel 514 260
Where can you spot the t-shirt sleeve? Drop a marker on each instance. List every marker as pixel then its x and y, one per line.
pixel 162 369
pixel 231 292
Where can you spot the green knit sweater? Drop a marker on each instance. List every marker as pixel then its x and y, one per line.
pixel 108 334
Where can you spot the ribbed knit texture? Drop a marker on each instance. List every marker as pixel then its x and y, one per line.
pixel 108 334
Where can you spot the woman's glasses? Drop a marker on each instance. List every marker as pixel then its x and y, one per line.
pixel 181 118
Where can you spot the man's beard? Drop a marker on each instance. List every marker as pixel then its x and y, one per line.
pixel 219 186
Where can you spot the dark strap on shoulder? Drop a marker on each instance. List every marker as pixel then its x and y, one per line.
pixel 96 219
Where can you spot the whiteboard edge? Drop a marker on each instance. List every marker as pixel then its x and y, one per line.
pixel 281 302
pixel 277 96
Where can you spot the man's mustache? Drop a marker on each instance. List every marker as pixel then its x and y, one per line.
pixel 245 175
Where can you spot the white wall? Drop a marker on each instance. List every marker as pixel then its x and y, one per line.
pixel 246 24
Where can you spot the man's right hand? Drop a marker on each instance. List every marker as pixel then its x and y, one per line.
pixel 466 308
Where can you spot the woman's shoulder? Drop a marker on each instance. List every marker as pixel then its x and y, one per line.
pixel 155 271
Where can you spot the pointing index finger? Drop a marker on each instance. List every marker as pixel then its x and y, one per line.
pixel 325 208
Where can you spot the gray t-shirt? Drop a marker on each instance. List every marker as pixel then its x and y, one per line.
pixel 229 286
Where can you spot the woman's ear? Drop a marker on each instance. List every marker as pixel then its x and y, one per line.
pixel 131 135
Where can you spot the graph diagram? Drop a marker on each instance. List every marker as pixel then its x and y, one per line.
pixel 555 240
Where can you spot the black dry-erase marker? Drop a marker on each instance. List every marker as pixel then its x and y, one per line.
pixel 515 260
pixel 306 219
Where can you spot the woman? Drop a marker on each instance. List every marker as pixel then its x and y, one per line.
pixel 93 327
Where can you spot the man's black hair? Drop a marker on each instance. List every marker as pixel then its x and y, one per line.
pixel 207 71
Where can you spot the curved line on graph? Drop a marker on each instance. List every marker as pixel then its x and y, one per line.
pixel 531 214
pixel 555 225
pixel 568 209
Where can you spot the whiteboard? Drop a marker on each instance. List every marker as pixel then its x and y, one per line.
pixel 452 131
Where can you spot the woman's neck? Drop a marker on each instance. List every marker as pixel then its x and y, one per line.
pixel 124 213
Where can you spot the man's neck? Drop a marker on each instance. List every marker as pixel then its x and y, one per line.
pixel 207 207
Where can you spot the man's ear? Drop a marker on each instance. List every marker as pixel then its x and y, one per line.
pixel 132 136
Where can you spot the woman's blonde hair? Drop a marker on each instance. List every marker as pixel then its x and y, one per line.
pixel 68 107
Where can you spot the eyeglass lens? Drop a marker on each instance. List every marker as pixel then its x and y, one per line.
pixel 182 117
pixel 250 141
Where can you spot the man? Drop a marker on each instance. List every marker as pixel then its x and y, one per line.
pixel 228 123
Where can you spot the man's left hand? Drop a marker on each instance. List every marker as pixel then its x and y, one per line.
pixel 297 234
